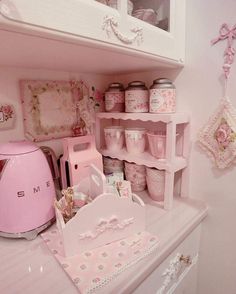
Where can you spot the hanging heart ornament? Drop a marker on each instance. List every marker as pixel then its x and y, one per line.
pixel 218 136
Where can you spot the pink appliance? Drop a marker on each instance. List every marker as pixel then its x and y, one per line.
pixel 78 154
pixel 27 191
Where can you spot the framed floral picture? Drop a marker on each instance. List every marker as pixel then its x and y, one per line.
pixel 7 116
pixel 56 109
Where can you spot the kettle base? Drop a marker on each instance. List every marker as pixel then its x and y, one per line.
pixel 29 235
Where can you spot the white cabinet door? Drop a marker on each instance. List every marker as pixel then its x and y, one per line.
pixel 163 27
pixel 173 275
pixel 105 25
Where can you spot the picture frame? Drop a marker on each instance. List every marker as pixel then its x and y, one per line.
pixel 53 109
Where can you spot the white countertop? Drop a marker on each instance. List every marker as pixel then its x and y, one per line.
pixel 28 266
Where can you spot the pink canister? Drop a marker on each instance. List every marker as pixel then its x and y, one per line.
pixel 162 96
pixel 115 98
pixel 135 139
pixel 156 183
pixel 136 174
pixel 136 97
pixel 114 138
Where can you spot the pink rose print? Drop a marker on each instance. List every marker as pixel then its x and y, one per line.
pixel 83 266
pixel 76 280
pixel 7 112
pixel 98 95
pixel 104 254
pixel 96 280
pixel 224 135
pixel 118 265
pixel 7 109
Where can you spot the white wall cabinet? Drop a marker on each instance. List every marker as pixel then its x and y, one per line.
pixel 89 22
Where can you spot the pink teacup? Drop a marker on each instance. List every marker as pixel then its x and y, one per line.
pixel 114 138
pixel 135 139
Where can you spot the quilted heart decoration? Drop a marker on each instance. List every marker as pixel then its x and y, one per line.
pixel 218 136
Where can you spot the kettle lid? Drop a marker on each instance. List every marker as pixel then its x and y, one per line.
pixel 17 148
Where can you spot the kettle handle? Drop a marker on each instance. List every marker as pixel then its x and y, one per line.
pixel 3 163
pixel 48 151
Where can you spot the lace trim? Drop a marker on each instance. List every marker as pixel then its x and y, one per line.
pixel 108 279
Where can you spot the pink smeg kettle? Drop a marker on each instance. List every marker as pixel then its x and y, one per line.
pixel 27 191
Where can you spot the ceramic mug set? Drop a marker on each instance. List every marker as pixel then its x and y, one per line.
pixel 139 176
pixel 135 140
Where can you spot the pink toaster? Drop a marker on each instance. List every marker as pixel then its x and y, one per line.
pixel 27 191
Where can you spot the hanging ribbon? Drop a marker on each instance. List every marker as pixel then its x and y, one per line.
pixel 227 34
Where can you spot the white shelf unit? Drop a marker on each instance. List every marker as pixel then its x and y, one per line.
pixel 176 154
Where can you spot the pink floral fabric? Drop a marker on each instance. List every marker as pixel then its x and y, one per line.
pixel 7 112
pixel 92 270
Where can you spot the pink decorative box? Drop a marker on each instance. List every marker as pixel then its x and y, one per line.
pixel 106 219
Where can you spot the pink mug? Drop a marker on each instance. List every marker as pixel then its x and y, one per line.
pixel 114 137
pixel 135 139
pixel 157 144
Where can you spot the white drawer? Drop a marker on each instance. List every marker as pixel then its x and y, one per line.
pixel 173 275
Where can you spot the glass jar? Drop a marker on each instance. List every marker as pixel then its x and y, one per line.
pixel 162 96
pixel 136 97
pixel 115 98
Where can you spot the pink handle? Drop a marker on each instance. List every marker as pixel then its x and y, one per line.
pixel 70 143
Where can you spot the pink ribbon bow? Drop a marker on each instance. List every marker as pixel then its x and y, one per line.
pixel 226 33
pixel 230 34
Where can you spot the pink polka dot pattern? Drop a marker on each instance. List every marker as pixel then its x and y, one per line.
pixel 94 269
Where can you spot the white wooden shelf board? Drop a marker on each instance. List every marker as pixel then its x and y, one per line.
pixel 147 159
pixel 166 118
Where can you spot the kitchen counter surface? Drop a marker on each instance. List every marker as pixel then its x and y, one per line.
pixel 29 267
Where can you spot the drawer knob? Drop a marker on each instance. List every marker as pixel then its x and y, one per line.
pixel 185 259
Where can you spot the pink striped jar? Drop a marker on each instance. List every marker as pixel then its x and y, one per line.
pixel 162 96
pixel 136 97
pixel 115 98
